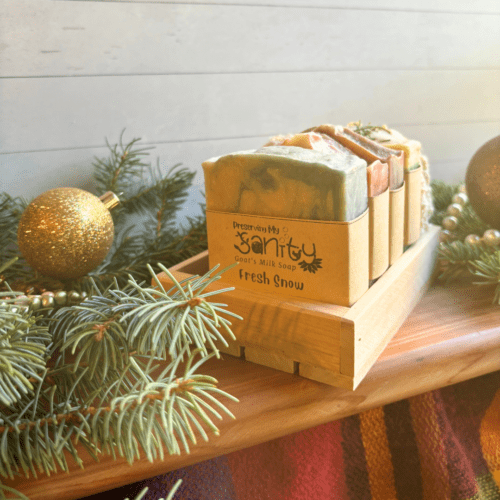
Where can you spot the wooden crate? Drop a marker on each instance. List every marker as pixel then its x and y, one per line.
pixel 332 344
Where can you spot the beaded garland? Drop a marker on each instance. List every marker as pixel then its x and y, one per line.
pixel 46 300
pixel 491 237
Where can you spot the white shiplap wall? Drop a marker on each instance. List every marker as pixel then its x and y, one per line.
pixel 199 79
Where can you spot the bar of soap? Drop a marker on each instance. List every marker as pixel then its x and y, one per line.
pixel 413 159
pixel 287 181
pixel 368 150
pixel 393 139
pixel 378 178
pixel 377 172
pixel 309 140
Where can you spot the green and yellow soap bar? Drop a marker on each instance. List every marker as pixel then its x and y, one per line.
pixel 288 181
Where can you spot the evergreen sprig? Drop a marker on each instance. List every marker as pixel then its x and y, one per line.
pixel 153 415
pixel 459 259
pixel 123 169
pixel 141 319
pixel 146 229
pixel 148 199
pixel 456 259
pixel 170 496
pixel 104 375
pixel 488 268
pixel 11 210
pixel 442 195
pixel 23 350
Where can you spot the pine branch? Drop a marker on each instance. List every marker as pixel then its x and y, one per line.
pixel 170 496
pixel 123 169
pixel 469 223
pixel 11 210
pixel 152 416
pixel 92 373
pixel 156 199
pixel 488 268
pixel 442 195
pixel 23 351
pixel 145 320
pixel 457 258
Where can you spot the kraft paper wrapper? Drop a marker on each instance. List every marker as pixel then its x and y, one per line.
pixel 319 260
pixel 396 223
pixel 413 205
pixel 378 211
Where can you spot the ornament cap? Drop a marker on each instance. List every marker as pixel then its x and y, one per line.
pixel 110 200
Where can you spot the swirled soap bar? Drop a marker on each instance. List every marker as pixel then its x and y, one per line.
pixel 377 172
pixel 392 139
pixel 287 181
pixel 367 149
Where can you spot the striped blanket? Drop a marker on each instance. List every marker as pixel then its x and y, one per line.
pixel 441 445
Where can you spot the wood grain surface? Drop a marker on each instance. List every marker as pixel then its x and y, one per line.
pixel 452 335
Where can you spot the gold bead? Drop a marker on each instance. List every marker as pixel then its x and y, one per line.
pixel 462 189
pixel 61 297
pixel 74 297
pixel 48 301
pixel 450 223
pixel 473 240
pixel 460 198
pixel 21 300
pixel 455 209
pixel 35 302
pixel 491 237
pixel 444 236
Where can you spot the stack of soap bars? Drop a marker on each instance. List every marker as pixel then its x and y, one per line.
pixel 332 174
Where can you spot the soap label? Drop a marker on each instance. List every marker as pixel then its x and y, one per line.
pixel 310 259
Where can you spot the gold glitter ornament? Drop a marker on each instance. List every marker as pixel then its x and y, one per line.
pixel 482 180
pixel 66 232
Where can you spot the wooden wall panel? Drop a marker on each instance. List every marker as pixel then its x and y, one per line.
pixel 200 79
pixel 96 38
pixel 465 6
pixel 58 113
pixel 31 173
pixel 88 38
pixel 35 172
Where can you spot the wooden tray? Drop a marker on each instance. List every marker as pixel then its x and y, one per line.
pixel 324 342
